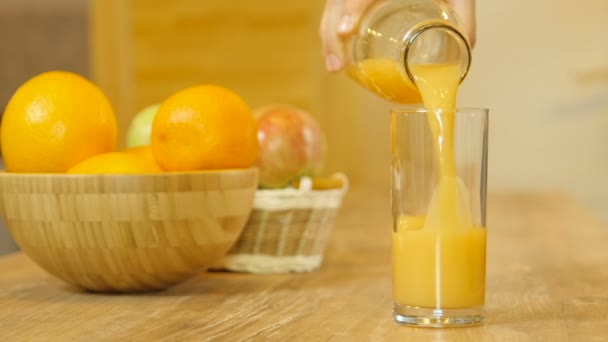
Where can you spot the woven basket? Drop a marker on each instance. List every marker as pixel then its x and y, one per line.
pixel 287 230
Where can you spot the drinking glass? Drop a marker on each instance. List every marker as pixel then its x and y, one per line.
pixel 439 218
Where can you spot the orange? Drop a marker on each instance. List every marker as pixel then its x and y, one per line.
pixel 203 128
pixel 116 163
pixel 144 152
pixel 54 121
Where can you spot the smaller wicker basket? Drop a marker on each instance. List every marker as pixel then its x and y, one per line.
pixel 287 230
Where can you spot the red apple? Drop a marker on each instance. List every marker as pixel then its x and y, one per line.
pixel 292 145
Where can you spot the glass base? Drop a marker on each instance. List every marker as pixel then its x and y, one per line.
pixel 436 318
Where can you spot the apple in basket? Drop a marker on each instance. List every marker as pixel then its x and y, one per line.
pixel 292 145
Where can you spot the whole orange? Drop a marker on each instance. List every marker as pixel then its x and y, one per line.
pixel 115 163
pixel 204 127
pixel 55 120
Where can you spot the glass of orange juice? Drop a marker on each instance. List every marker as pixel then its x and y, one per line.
pixel 439 170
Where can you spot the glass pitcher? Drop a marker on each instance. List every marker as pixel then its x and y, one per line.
pixel 396 34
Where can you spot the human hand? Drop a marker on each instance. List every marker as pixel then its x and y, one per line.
pixel 341 18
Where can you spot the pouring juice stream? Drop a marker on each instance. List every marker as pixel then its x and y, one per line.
pixel 438 259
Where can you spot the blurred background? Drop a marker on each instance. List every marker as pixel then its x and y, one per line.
pixel 540 66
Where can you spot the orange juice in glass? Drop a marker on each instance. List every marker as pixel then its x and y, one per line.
pixel 439 235
pixel 415 52
pixel 439 185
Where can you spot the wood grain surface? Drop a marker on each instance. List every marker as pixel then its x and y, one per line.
pixel 142 51
pixel 547 281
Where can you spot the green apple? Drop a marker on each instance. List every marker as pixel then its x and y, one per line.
pixel 140 129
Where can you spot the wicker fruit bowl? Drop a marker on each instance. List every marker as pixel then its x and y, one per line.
pixel 127 233
pixel 288 229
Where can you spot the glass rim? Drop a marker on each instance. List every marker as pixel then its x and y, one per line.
pixel 458 110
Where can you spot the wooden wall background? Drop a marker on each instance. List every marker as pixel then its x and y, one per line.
pixel 541 68
pixel 267 51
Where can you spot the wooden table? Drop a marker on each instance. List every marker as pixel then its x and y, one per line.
pixel 547 280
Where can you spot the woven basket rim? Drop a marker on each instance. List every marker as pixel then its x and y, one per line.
pixel 306 187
